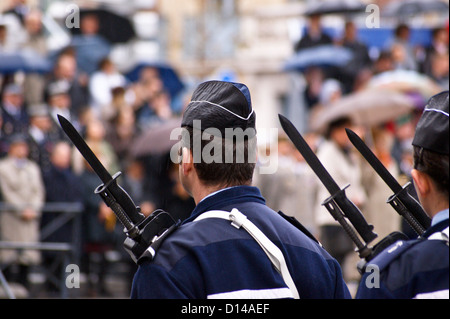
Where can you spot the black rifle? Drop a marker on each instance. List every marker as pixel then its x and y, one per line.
pixel 405 205
pixel 339 206
pixel 144 234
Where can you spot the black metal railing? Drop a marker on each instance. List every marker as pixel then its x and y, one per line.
pixel 69 252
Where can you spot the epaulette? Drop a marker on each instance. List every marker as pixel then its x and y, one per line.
pixel 392 252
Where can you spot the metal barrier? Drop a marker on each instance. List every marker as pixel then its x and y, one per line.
pixel 70 252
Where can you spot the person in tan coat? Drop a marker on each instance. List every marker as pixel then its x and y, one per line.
pixel 23 191
pixel 376 210
pixel 335 154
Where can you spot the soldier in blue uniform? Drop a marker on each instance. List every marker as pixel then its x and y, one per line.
pixel 232 245
pixel 420 268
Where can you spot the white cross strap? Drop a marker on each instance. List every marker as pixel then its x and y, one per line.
pixel 275 255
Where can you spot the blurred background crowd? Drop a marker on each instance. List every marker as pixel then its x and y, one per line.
pixel 121 73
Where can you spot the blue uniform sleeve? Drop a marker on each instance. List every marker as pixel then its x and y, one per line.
pixel 341 291
pixel 154 282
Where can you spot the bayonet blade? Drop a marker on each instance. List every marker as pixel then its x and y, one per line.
pixel 370 157
pixel 125 209
pixel 84 149
pixel 309 156
pixel 410 208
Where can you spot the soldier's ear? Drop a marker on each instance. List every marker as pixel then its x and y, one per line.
pixel 422 182
pixel 187 163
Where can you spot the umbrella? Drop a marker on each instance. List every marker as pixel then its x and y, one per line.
pixel 406 81
pixel 334 7
pixel 27 61
pixel 112 26
pixel 171 80
pixel 414 7
pixel 319 56
pixel 156 140
pixel 367 107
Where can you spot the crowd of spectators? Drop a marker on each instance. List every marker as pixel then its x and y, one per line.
pixel 37 158
pixel 398 54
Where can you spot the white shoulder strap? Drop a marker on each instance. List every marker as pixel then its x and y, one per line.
pixel 275 255
pixel 442 235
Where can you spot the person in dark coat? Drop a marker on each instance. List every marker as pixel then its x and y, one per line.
pixel 101 232
pixel 361 60
pixel 61 186
pixel 66 70
pixel 90 46
pixel 314 35
pixel 419 268
pixel 42 138
pixel 14 111
pixel 210 256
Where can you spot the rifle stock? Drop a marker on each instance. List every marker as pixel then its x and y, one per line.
pixel 144 234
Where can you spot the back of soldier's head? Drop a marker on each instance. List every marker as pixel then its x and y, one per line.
pixel 220 122
pixel 431 141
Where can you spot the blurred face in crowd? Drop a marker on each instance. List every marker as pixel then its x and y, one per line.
pixel 314 25
pixel 66 67
pixel 89 25
pixel 61 155
pixel 136 170
pixel 148 73
pixel 405 131
pixel 339 135
pixel 33 22
pixel 95 130
pixel 403 33
pixel 384 140
pixel 284 147
pixel 61 101
pixel 125 122
pixel 13 99
pixel 350 31
pixel 384 63
pixel 108 67
pixel 440 65
pixel 441 37
pixel 398 53
pixel 19 150
pixel 42 122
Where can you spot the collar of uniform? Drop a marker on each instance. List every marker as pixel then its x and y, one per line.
pixel 437 226
pixel 442 215
pixel 214 193
pixel 226 197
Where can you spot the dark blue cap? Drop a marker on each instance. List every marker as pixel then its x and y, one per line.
pixel 432 131
pixel 220 105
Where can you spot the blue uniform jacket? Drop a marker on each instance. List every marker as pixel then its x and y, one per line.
pixel 202 259
pixel 410 269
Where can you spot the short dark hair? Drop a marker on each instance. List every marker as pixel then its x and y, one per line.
pixel 222 173
pixel 434 165
pixel 400 28
pixel 337 124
